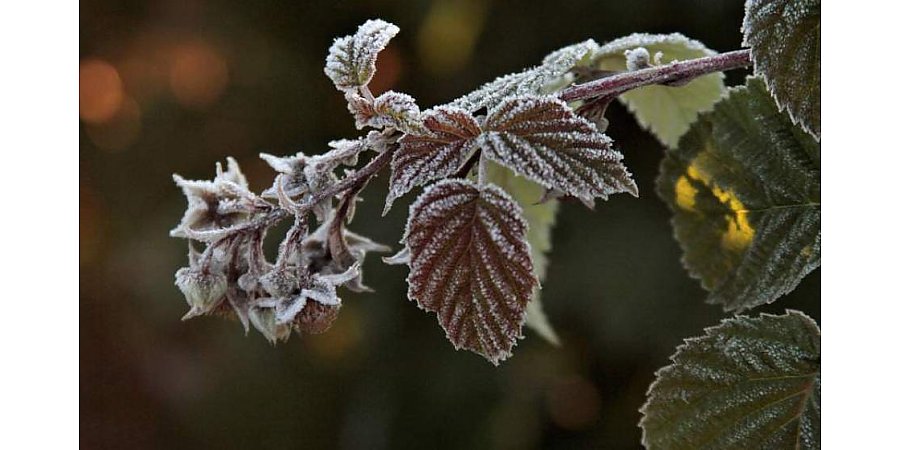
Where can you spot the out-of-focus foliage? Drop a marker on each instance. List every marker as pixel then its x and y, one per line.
pixel 745 192
pixel 667 111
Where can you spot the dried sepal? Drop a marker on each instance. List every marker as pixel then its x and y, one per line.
pixel 204 290
pixel 437 154
pixel 542 139
pixel 263 319
pixel 214 207
pixel 334 250
pixel 351 59
pixel 301 176
pixel 470 264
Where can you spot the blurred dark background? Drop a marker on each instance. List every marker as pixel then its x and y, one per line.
pixel 173 86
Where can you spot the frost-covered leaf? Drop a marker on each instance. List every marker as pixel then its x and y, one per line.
pixel 351 59
pixel 540 217
pixel 437 154
pixel 542 139
pixel 785 40
pixel 545 78
pixel 667 111
pixel 391 109
pixel 470 264
pixel 745 191
pixel 747 383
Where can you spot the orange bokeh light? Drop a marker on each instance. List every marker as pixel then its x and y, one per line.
pixel 198 74
pixel 100 91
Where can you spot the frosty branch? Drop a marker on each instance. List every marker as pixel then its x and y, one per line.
pixel 672 74
pixel 466 239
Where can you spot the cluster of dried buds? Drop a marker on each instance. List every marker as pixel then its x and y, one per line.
pixel 231 275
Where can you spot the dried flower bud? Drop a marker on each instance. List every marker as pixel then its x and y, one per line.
pixel 203 290
pixel 279 283
pixel 263 319
pixel 316 318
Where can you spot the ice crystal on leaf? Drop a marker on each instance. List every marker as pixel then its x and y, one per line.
pixel 543 140
pixel 749 382
pixel 470 263
pixel 391 109
pixel 351 59
pixel 785 40
pixel 437 154
pixel 552 74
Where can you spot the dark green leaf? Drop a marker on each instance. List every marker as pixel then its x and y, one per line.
pixel 744 188
pixel 785 40
pixel 747 383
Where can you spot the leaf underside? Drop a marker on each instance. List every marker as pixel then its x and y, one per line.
pixel 667 111
pixel 470 264
pixel 744 186
pixel 747 383
pixel 785 37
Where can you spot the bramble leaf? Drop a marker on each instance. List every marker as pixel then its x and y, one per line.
pixel 540 217
pixel 391 109
pixel 745 191
pixel 351 59
pixel 537 80
pixel 746 383
pixel 470 263
pixel 667 111
pixel 785 40
pixel 437 154
pixel 542 139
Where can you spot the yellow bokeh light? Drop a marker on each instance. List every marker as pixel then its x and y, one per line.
pixel 738 233
pixel 449 33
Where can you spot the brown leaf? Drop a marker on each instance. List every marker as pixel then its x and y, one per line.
pixel 470 264
pixel 437 154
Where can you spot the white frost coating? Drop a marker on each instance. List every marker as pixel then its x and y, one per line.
pixel 470 264
pixel 639 58
pixel 530 81
pixel 351 59
pixel 543 140
pixel 214 207
pixel 391 109
pixel 438 154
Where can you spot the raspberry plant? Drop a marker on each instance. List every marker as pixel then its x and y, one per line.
pixel 741 175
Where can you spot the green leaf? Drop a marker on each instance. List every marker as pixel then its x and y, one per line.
pixel 747 383
pixel 667 111
pixel 541 218
pixel 785 40
pixel 745 191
